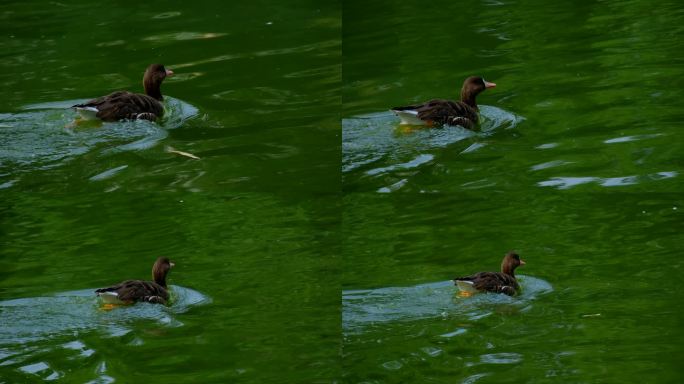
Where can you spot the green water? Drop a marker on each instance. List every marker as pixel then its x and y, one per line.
pixel 250 226
pixel 578 167
pixel 314 238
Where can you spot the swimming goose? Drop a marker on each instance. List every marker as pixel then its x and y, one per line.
pixel 122 105
pixel 447 112
pixel 131 291
pixel 496 282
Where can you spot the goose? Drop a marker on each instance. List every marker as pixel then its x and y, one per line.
pixel 439 112
pixel 131 291
pixel 496 282
pixel 122 105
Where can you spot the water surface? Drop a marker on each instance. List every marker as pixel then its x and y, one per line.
pixel 582 176
pixel 249 225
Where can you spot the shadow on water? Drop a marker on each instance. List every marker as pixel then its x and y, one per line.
pixel 69 318
pixel 44 135
pixel 366 308
pixel 375 145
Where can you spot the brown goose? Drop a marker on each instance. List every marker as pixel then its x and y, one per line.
pixel 122 105
pixel 441 112
pixel 131 291
pixel 497 282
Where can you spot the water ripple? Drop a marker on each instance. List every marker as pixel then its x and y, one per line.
pixel 25 319
pixel 474 378
pixel 625 139
pixel 362 308
pixel 167 15
pixel 375 145
pixel 501 358
pixel 418 161
pixel 570 182
pixel 549 164
pixel 71 316
pixel 43 136
pixel 271 52
pixel 182 36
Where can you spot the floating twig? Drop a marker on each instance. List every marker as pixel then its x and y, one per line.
pixel 170 149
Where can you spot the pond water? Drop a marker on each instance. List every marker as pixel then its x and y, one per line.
pixel 249 225
pixel 314 237
pixel 578 167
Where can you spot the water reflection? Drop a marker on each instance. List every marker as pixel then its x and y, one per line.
pixel 306 48
pixel 625 139
pixel 167 15
pixel 181 36
pixel 570 182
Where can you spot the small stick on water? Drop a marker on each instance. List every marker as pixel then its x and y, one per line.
pixel 592 315
pixel 170 149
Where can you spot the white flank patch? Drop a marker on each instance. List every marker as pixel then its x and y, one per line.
pixel 110 298
pixel 466 286
pixel 409 117
pixel 87 113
